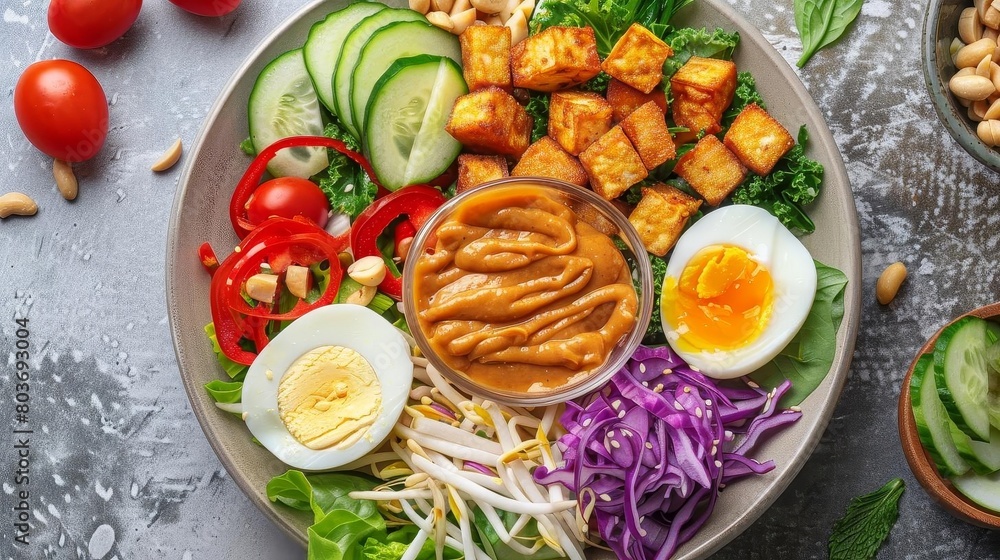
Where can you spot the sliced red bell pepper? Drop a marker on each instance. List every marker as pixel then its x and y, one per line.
pixel 416 202
pixel 208 259
pixel 251 179
pixel 402 237
pixel 279 242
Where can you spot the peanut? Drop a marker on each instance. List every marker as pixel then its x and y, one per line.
pixel 367 271
pixel 518 27
pixel 422 6
pixel 463 20
pixel 66 182
pixel 888 283
pixel 992 18
pixel 993 113
pixel 442 5
pixel 971 54
pixel 989 132
pixel 984 66
pixel 489 6
pixel 169 157
pixel 297 280
pixel 17 204
pixel 980 108
pixel 458 7
pixel 973 88
pixel 970 28
pixel 262 287
pixel 441 19
pixel 362 297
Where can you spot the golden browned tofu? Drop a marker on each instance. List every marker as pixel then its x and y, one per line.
pixel 486 56
pixel 647 129
pixel 578 118
pixel 624 99
pixel 711 170
pixel 490 121
pixel 546 158
pixel 557 58
pixel 594 218
pixel 661 215
pixel 475 170
pixel 612 164
pixel 757 139
pixel 703 88
pixel 637 59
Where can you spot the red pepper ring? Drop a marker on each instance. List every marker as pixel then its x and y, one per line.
pixel 255 172
pixel 417 202
pixel 265 240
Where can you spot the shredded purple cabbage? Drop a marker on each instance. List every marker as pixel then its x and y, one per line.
pixel 650 451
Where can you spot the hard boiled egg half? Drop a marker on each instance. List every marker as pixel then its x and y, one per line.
pixel 738 287
pixel 328 388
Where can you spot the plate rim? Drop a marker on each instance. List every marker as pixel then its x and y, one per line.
pixel 846 336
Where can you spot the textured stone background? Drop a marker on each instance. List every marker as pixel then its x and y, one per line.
pixel 120 467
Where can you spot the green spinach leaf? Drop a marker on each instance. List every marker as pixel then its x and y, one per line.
pixel 808 357
pixel 821 22
pixel 869 518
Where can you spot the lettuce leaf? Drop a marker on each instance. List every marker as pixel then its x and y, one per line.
pixel 808 357
pixel 234 370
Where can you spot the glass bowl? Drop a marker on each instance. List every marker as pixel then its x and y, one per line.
pixel 589 208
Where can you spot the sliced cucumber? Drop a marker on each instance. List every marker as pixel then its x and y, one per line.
pixel 993 372
pixel 932 420
pixel 988 454
pixel 962 382
pixel 283 103
pixel 387 45
pixel 322 48
pixel 405 139
pixel 983 490
pixel 354 43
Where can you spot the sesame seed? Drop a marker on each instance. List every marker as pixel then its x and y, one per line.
pixel 586 422
pixel 605 497
pixel 753 385
pixel 715 450
pixel 615 444
pixel 244 415
pixel 695 368
pixel 616 404
pixel 621 414
pixel 642 368
pixel 658 388
pixel 678 406
pixel 649 445
pixel 642 532
pixel 687 389
pixel 697 412
pixel 611 433
pixel 718 464
pixel 667 371
pixel 795 408
pixel 708 402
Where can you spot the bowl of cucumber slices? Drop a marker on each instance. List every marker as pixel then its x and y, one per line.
pixel 949 417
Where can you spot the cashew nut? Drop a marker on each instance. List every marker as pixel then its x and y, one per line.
pixel 66 182
pixel 262 287
pixel 362 297
pixel 17 204
pixel 888 283
pixel 368 271
pixel 169 157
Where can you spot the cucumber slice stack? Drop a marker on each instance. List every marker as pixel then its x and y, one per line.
pixel 955 394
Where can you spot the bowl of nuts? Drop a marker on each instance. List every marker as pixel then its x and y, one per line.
pixel 960 61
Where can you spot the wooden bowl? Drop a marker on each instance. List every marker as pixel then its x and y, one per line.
pixel 939 488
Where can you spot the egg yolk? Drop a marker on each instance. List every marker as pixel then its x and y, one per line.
pixel 330 397
pixel 722 300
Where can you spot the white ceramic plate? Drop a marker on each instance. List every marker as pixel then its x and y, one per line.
pixel 215 165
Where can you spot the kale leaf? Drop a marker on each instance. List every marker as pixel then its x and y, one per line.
pixel 538 110
pixel 687 42
pixel 345 183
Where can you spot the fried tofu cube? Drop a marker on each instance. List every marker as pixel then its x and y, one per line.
pixel 486 56
pixel 577 119
pixel 557 58
pixel 637 58
pixel 475 170
pixel 757 139
pixel 624 99
pixel 612 164
pixel 647 129
pixel 490 121
pixel 711 169
pixel 703 88
pixel 546 158
pixel 661 215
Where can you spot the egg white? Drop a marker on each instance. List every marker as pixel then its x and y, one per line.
pixel 793 274
pixel 350 326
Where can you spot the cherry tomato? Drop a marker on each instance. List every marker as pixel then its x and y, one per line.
pixel 62 109
pixel 207 7
pixel 88 24
pixel 288 197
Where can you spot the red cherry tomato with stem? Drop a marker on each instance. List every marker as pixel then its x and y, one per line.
pixel 288 197
pixel 207 7
pixel 89 24
pixel 62 109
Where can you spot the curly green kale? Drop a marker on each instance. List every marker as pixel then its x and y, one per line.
pixel 687 42
pixel 345 183
pixel 538 110
pixel 745 94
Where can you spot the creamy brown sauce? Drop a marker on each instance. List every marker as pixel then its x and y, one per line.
pixel 520 294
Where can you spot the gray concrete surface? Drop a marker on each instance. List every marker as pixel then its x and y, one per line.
pixel 118 465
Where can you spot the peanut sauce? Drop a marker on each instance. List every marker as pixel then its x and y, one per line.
pixel 520 294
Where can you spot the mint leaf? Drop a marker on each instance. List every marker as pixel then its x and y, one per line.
pixel 869 518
